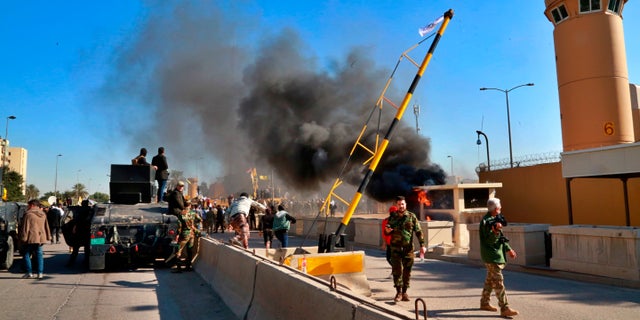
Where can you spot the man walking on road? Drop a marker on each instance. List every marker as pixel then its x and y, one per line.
pixel 34 232
pixel 401 228
pixel 493 246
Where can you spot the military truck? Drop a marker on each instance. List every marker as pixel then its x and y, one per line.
pixel 10 215
pixel 131 230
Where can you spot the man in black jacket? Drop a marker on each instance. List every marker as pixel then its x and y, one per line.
pixel 159 161
pixel 176 200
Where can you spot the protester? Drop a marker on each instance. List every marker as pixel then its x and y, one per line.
pixel 159 161
pixel 266 226
pixel 239 210
pixel 34 233
pixel 81 225
pixel 220 219
pixel 401 228
pixel 54 219
pixel 493 246
pixel 387 237
pixel 281 225
pixel 210 219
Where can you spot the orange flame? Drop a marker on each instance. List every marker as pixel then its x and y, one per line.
pixel 422 197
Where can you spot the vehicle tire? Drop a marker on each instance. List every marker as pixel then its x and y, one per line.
pixel 7 260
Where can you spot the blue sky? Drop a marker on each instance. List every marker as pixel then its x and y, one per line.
pixel 60 59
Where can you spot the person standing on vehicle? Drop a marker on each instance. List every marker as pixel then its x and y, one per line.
pixel 34 233
pixel 176 200
pixel 401 228
pixel 159 161
pixel 493 246
pixel 281 224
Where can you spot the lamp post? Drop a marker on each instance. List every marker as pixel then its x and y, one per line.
pixel 478 142
pixel 55 183
pixel 451 165
pixel 4 153
pixel 78 186
pixel 506 92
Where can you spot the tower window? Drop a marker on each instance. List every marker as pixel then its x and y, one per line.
pixel 614 5
pixel 559 13
pixel 589 5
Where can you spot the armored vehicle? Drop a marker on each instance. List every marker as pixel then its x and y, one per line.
pixel 10 215
pixel 130 230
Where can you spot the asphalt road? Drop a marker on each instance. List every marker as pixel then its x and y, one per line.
pixel 450 290
pixel 73 293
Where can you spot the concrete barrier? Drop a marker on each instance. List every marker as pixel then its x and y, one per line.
pixel 254 287
pixel 206 263
pixel 234 277
pixel 347 268
pixel 283 294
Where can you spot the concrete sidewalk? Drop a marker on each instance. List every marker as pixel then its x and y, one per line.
pixel 451 285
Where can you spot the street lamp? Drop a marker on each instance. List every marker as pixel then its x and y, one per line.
pixel 451 165
pixel 4 153
pixel 478 142
pixel 78 186
pixel 55 184
pixel 506 92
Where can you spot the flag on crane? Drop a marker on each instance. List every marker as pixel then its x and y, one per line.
pixel 428 28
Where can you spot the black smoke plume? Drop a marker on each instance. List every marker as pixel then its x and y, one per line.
pixel 270 107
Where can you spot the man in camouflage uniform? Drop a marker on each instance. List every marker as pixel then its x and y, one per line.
pixel 401 228
pixel 493 246
pixel 186 238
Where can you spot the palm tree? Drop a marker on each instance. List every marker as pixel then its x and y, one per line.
pixel 32 192
pixel 79 191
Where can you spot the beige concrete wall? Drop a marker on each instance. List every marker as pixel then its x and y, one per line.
pixel 600 250
pixel 538 194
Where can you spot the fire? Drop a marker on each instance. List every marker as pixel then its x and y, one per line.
pixel 422 197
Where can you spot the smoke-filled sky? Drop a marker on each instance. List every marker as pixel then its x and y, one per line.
pixel 269 106
pixel 284 86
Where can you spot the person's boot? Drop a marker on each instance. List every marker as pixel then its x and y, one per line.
pixel 398 295
pixel 488 307
pixel 508 312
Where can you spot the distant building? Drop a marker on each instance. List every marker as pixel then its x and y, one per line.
pixel 16 160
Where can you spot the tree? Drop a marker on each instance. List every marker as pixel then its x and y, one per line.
pixel 79 191
pixel 100 197
pixel 32 192
pixel 13 181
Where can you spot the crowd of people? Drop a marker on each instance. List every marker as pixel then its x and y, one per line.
pixel 203 216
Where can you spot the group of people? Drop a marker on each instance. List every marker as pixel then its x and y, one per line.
pixel 400 226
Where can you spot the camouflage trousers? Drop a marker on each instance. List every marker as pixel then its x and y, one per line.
pixel 185 246
pixel 241 227
pixel 401 263
pixel 495 282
